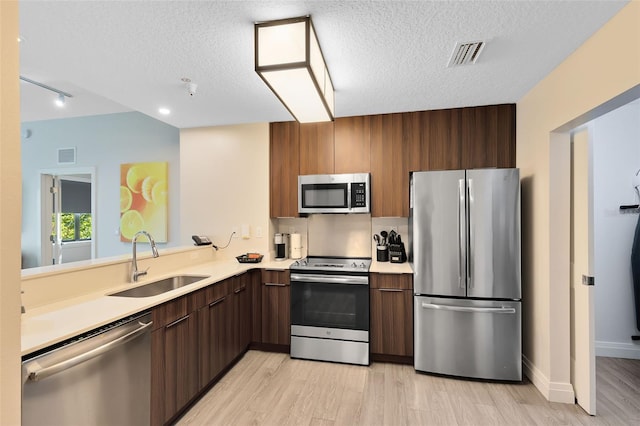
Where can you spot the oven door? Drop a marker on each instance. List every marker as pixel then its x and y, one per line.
pixel 330 302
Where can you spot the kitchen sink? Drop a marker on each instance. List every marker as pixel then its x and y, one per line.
pixel 160 286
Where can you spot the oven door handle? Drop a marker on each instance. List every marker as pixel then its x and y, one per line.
pixel 329 279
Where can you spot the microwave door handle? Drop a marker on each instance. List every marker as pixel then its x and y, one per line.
pixel 349 196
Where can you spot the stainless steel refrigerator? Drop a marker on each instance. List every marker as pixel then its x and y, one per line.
pixel 464 230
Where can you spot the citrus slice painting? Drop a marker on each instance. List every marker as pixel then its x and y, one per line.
pixel 143 200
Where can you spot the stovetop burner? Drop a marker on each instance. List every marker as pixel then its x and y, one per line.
pixel 346 264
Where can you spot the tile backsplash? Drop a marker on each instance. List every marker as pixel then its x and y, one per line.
pixel 348 235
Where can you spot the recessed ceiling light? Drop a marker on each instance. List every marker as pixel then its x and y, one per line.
pixel 20 39
pixel 164 111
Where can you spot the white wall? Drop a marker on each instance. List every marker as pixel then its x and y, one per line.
pixel 225 184
pixel 103 142
pixel 616 159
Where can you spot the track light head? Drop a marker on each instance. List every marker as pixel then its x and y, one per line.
pixel 60 101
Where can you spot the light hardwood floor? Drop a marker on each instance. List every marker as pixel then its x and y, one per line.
pixel 272 389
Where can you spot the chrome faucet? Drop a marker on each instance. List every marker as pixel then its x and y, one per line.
pixel 134 267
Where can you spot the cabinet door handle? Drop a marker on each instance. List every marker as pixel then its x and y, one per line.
pixel 178 321
pixel 215 302
pixel 239 290
pixel 391 290
pixel 275 284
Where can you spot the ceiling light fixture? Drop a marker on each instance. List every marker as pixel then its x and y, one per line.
pixel 164 111
pixel 289 60
pixel 60 100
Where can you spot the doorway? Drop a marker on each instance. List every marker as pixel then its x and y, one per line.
pixel 67 211
pixel 613 319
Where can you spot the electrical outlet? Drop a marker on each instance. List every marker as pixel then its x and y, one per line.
pixel 258 231
pixel 246 234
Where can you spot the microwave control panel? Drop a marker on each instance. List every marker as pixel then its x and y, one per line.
pixel 358 194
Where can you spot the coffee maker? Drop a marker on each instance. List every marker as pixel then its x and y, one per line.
pixel 281 242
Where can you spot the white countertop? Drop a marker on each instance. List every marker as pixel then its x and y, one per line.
pixel 390 268
pixel 54 323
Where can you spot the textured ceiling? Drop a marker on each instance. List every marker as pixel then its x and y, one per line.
pixel 383 56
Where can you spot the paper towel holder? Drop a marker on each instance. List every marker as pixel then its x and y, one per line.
pixel 295 246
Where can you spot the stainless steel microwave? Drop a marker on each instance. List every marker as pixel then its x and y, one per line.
pixel 341 193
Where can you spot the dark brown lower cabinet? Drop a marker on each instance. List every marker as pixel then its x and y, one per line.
pixel 276 308
pixel 174 360
pixel 391 313
pixel 214 335
pixel 241 314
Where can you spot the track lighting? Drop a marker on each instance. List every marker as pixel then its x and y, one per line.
pixel 62 96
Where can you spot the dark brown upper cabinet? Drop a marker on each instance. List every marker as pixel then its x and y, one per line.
pixel 389 146
pixel 352 145
pixel 389 166
pixel 317 148
pixel 488 136
pixel 284 161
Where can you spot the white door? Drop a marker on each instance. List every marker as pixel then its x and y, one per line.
pixel 583 359
pixel 51 244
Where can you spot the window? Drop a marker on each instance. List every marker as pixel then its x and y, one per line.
pixel 73 226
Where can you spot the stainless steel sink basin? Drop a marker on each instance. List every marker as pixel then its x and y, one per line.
pixel 161 286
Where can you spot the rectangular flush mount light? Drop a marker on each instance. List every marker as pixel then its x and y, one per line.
pixel 289 60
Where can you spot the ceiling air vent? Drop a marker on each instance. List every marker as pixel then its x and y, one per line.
pixel 67 155
pixel 465 53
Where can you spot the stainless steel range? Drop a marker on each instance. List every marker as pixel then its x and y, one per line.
pixel 330 309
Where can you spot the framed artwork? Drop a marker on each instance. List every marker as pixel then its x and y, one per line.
pixel 144 200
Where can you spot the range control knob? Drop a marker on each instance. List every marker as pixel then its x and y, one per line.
pixel 296 263
pixel 354 265
pixel 303 262
pixel 362 265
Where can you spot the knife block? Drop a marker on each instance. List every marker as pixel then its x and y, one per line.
pixel 397 253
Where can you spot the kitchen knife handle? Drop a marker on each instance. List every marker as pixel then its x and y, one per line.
pixel 461 234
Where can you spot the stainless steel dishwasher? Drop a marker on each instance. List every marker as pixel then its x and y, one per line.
pixel 102 377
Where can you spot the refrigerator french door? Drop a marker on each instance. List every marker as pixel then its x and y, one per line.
pixel 464 231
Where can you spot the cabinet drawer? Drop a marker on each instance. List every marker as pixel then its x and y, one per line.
pixel 217 291
pixel 391 281
pixel 275 277
pixel 171 311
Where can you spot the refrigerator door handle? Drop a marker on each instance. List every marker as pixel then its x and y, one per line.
pixel 502 310
pixel 472 241
pixel 461 234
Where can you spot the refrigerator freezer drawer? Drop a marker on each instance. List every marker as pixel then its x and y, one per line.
pixel 468 338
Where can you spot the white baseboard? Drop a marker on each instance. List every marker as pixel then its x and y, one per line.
pixel 552 391
pixel 618 350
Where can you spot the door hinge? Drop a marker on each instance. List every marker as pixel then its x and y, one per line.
pixel 588 280
pixel 53 190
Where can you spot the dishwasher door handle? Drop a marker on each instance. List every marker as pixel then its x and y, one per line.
pixel 43 373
